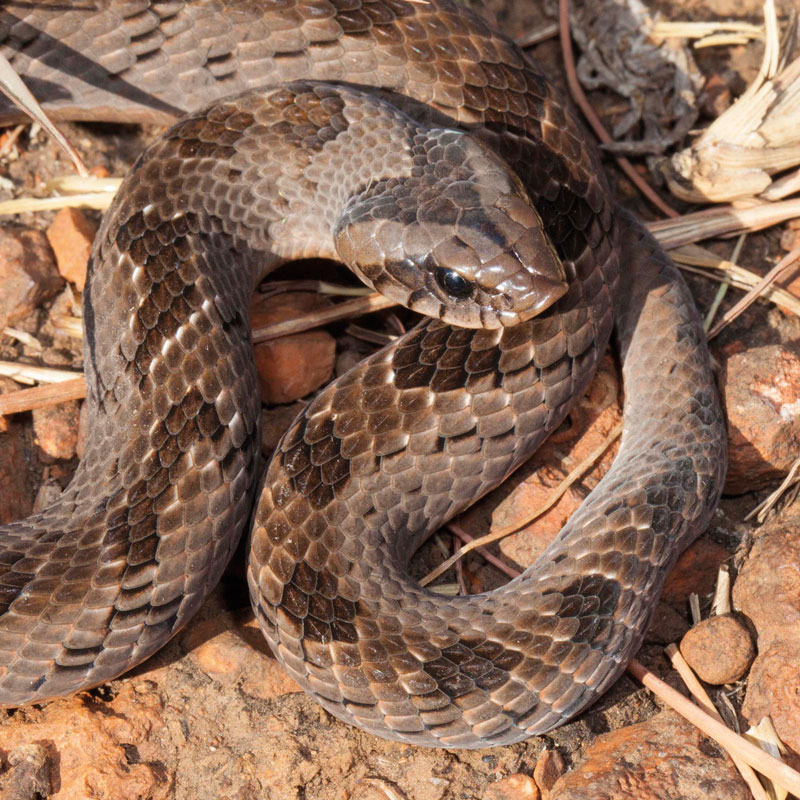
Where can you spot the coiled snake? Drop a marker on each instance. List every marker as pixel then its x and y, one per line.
pixel 463 189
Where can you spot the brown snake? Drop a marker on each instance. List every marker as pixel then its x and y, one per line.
pixel 465 190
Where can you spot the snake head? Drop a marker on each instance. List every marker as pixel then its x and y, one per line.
pixel 458 239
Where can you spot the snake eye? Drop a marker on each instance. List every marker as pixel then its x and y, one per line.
pixel 454 284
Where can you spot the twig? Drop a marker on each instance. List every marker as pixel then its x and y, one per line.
pixel 597 126
pixel 40 396
pixel 705 702
pixel 537 35
pixel 762 762
pixel 554 497
pixel 788 262
pixel 344 310
pixel 458 531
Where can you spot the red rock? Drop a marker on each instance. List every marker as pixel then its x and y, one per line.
pixel 29 773
pixel 513 787
pixel 87 744
pixel 56 429
pixel 549 768
pixel 232 650
pixel 695 571
pixel 664 758
pixel 292 366
pixel 767 591
pixel 719 649
pixel 71 235
pixel 760 391
pixel 512 507
pixel 28 274
pixel 716 96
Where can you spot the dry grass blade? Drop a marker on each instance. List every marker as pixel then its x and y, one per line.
pixel 721 604
pixel 13 87
pixel 537 35
pixel 22 205
pixel 83 184
pixel 760 761
pixel 724 221
pixel 40 396
pixel 554 497
pixel 665 29
pixel 703 262
pixel 29 373
pixel 705 702
pixel 781 269
pixel 766 737
pixel 766 505
pixel 25 338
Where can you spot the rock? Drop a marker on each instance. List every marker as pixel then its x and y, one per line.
pixel 291 367
pixel 71 235
pixel 514 507
pixel 28 274
pixel 549 768
pixel 767 591
pixel 695 571
pixel 513 787
pixel 232 650
pixel 274 423
pixel 719 649
pixel 28 774
pixel 56 429
pixel 93 749
pixel 716 96
pixel 664 758
pixel 760 390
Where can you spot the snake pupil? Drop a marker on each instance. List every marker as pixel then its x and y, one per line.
pixel 453 283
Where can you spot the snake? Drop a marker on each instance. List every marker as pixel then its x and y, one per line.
pixel 424 150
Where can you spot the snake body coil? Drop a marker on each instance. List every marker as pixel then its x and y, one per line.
pixel 463 189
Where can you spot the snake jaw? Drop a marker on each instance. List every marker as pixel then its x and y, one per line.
pixel 545 293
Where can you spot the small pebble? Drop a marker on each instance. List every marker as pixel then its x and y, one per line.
pixel 719 649
pixel 28 274
pixel 71 235
pixel 514 787
pixel 549 768
pixel 292 366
